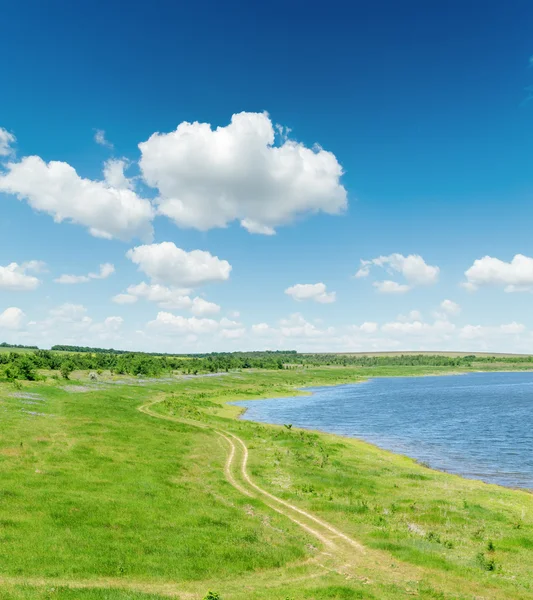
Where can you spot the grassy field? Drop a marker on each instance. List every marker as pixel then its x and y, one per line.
pixel 101 501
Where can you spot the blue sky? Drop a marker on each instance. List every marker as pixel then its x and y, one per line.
pixel 405 139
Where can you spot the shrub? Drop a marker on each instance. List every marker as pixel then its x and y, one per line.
pixel 213 596
pixel 66 369
pixel 488 564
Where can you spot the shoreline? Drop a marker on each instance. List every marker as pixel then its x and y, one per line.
pixel 306 392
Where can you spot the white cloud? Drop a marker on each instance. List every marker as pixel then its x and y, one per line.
pixel 202 307
pixel 7 139
pixel 169 324
pixel 106 270
pixel 165 263
pixel 391 287
pixel 14 277
pixel 450 307
pixel 114 174
pixel 56 189
pixel 233 334
pixel 311 291
pixel 418 328
pixel 109 325
pixel 413 268
pixel 209 178
pixel 166 297
pixel 70 324
pixel 261 329
pixel 413 315
pixel 368 327
pixel 12 318
pixel 516 276
pixel 297 326
pixel 124 299
pixel 99 138
pixel 473 332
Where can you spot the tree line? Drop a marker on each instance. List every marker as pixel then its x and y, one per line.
pixel 30 365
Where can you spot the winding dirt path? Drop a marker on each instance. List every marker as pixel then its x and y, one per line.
pixel 326 533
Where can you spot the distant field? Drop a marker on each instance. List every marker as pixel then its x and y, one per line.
pixel 19 350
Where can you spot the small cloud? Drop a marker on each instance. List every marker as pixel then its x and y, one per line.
pixel 7 139
pixel 391 287
pixel 311 291
pixel 100 139
pixel 106 270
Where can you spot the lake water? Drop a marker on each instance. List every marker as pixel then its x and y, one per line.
pixel 478 425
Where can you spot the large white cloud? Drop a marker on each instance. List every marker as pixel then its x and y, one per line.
pixel 56 189
pixel 12 318
pixel 514 276
pixel 208 178
pixel 7 139
pixel 104 272
pixel 413 268
pixel 311 291
pixel 14 277
pixel 165 263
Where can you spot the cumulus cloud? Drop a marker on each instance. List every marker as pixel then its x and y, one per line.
pixel 208 178
pixel 100 139
pixel 368 327
pixel 124 299
pixel 261 329
pixel 297 326
pixel 7 140
pixel 514 276
pixel 391 287
pixel 412 315
pixel 311 291
pixel 12 318
pixel 165 297
pixel 473 332
pixel 162 295
pixel 14 277
pixel 56 189
pixel 450 307
pixel 413 268
pixel 70 324
pixel 201 307
pixel 170 324
pixel 165 263
pixel 419 328
pixel 105 271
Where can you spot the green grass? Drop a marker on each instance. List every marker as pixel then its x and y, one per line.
pixel 91 489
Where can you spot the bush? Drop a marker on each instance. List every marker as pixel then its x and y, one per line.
pixel 66 369
pixel 213 596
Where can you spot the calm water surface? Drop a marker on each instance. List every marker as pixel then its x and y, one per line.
pixel 477 425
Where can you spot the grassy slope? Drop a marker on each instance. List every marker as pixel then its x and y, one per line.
pixel 101 491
